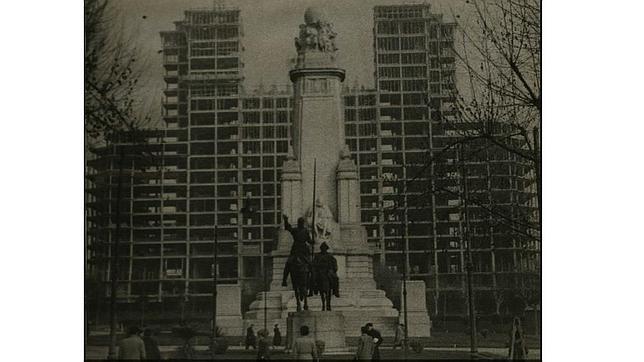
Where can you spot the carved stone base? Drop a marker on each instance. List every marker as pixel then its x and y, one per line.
pixel 359 303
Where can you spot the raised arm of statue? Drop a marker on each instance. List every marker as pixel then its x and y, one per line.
pixel 287 226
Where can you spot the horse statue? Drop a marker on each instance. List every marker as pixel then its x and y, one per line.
pixel 325 277
pixel 298 264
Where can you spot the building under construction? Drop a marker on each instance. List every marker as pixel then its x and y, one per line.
pixel 217 162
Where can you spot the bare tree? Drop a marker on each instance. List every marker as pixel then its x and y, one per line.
pixel 113 68
pixel 500 54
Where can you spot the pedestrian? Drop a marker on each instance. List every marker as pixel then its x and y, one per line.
pixel 251 341
pixel 399 338
pixel 263 352
pixel 517 347
pixel 132 347
pixel 151 345
pixel 304 346
pixel 365 346
pixel 377 340
pixel 277 336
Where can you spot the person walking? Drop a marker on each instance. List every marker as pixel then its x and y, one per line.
pixel 132 346
pixel 304 346
pixel 517 347
pixel 377 340
pixel 277 336
pixel 151 345
pixel 399 338
pixel 263 347
pixel 251 341
pixel 365 346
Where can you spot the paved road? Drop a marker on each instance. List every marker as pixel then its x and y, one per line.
pixel 238 353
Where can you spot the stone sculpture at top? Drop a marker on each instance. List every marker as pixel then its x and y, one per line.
pixel 316 34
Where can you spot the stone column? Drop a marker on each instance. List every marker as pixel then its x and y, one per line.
pixel 291 183
pixel 348 190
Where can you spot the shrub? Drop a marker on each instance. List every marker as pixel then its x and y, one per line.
pixel 416 345
pixel 320 347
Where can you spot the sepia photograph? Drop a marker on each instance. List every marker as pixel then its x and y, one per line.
pixel 312 180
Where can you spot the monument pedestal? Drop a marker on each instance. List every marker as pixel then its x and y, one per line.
pixel 319 165
pixel 418 323
pixel 327 326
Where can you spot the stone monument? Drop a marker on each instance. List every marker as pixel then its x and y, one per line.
pixel 318 138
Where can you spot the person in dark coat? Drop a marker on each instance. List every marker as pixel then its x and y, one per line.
pixel 277 336
pixel 517 348
pixel 151 346
pixel 263 347
pixel 251 341
pixel 377 340
pixel 365 346
pixel 132 347
pixel 399 338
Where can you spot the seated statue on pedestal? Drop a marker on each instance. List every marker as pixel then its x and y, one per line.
pixel 325 228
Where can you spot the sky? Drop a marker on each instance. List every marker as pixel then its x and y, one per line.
pixel 269 28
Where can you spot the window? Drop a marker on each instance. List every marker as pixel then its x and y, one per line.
pixel 196 52
pixel 350 101
pixel 227 32
pixel 368 114
pixel 349 115
pixel 415 27
pixel 250 117
pixel 388 44
pixel 251 103
pixel 417 42
pixel 414 85
pixel 413 72
pixel 228 47
pixel 389 72
pixel 268 147
pixel 202 64
pixel 412 99
pixel 269 132
pixel 368 100
pixel 350 130
pixel 282 102
pixel 390 86
pixel 413 58
pixel 388 58
pixel 282 131
pixel 227 90
pixel 227 63
pixel 282 117
pixel 387 27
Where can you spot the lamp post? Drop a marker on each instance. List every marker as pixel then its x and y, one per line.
pixel 114 260
pixel 248 210
pixel 214 282
pixel 470 296
pixel 405 271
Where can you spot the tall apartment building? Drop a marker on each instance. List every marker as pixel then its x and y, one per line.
pixel 217 163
